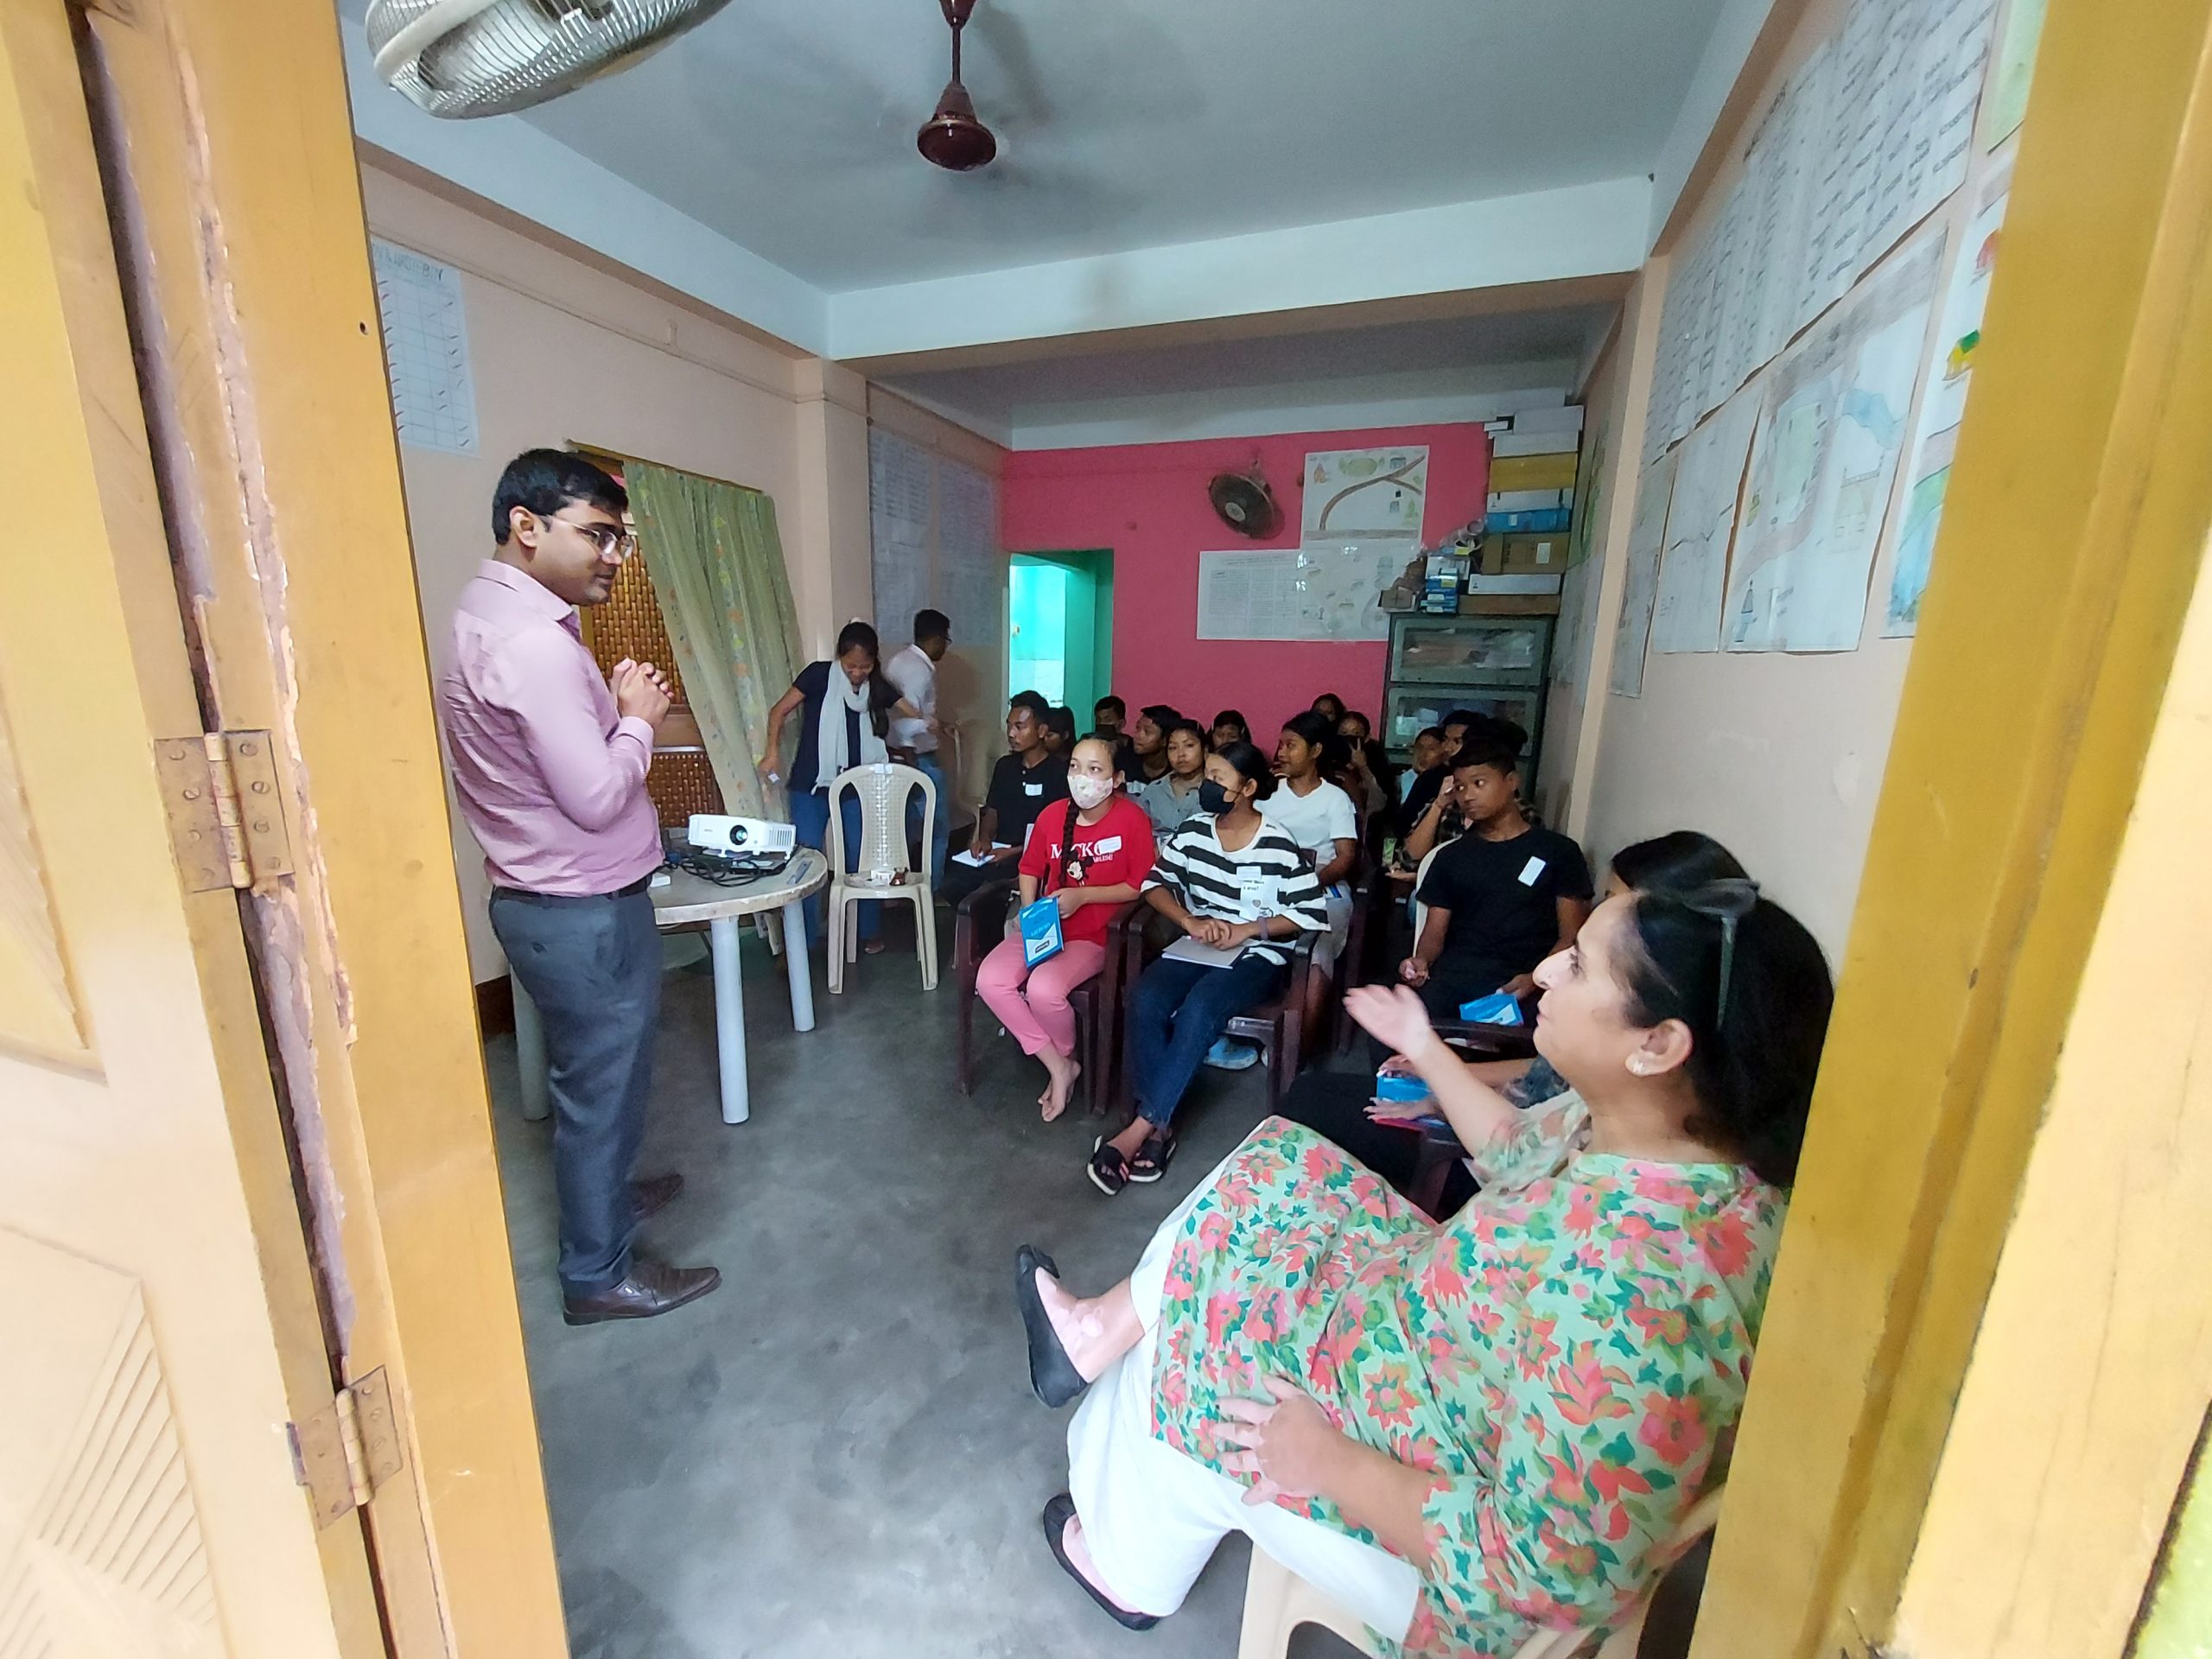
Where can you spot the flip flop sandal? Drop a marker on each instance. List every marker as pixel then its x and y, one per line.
pixel 1152 1158
pixel 1052 1376
pixel 1109 1169
pixel 1057 1514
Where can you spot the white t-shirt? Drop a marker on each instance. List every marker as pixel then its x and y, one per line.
pixel 1316 821
pixel 915 676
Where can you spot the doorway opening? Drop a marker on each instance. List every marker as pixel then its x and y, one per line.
pixel 1059 628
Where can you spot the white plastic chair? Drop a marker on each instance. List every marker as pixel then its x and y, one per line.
pixel 885 869
pixel 1277 1601
pixel 1420 881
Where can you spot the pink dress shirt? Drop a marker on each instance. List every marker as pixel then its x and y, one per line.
pixel 551 776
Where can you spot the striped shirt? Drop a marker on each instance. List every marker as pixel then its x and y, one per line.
pixel 1269 875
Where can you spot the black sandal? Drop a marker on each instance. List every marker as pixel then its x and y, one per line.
pixel 1109 1169
pixel 1152 1157
pixel 1052 1376
pixel 1057 1514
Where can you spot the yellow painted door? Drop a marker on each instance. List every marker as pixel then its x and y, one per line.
pixel 159 1329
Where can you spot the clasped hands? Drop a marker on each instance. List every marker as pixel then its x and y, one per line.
pixel 1211 930
pixel 1286 1444
pixel 640 689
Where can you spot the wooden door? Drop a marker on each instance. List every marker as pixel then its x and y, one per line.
pixel 261 1378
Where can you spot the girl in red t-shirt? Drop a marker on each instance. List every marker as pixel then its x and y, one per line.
pixel 1089 856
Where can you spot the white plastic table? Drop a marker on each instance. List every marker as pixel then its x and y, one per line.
pixel 688 900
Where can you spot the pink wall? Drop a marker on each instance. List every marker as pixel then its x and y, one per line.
pixel 1148 502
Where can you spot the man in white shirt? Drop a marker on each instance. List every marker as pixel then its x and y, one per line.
pixel 914 670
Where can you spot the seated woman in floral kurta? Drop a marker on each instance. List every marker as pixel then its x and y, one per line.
pixel 1469 1431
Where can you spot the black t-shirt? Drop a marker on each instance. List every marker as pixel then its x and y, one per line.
pixel 1018 793
pixel 1503 899
pixel 812 682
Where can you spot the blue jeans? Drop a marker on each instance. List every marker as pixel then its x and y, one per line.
pixel 941 837
pixel 1178 1009
pixel 592 967
pixel 811 817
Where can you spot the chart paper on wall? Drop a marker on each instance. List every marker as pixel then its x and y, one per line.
pixel 425 350
pixel 1359 494
pixel 1647 533
pixel 899 488
pixel 1700 528
pixel 1579 594
pixel 1319 591
pixel 2006 104
pixel 1942 406
pixel 1831 432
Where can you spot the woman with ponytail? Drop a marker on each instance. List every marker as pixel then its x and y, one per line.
pixel 1472 1432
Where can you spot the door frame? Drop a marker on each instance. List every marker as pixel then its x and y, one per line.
pixel 1094 566
pixel 222 134
pixel 1938 1455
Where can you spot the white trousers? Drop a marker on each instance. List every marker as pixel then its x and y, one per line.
pixel 1153 1517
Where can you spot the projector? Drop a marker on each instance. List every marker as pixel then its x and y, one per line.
pixel 747 836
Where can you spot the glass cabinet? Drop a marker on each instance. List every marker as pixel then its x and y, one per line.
pixel 1491 665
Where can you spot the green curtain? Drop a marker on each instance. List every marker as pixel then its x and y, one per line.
pixel 717 569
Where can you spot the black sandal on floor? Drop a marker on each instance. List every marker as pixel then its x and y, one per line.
pixel 1109 1169
pixel 1152 1157
pixel 1057 1514
pixel 1052 1375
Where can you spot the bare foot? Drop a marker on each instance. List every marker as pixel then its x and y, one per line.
pixel 1079 1552
pixel 1064 1070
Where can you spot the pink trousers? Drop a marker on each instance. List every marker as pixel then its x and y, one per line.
pixel 1037 1014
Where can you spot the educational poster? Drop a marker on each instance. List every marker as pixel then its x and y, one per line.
pixel 1352 493
pixel 1935 435
pixel 1320 591
pixel 1647 534
pixel 425 349
pixel 1874 131
pixel 1579 591
pixel 1701 527
pixel 2006 104
pixel 899 483
pixel 1830 432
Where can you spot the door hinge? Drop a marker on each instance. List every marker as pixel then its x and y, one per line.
pixel 348 1449
pixel 226 814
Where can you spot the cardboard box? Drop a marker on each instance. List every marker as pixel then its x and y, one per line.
pixel 1530 500
pixel 1547 472
pixel 1550 521
pixel 1525 555
pixel 1508 604
pixel 1516 584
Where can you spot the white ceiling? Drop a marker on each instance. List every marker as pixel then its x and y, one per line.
pixel 1454 368
pixel 790 127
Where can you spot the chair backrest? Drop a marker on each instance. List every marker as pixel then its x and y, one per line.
pixel 882 790
pixel 1421 878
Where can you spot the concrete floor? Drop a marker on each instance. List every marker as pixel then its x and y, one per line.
pixel 838 1452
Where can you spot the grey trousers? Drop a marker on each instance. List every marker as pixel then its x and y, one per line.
pixel 592 967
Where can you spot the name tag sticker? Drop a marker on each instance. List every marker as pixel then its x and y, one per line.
pixel 1260 893
pixel 1531 871
pixel 1033 788
pixel 1110 844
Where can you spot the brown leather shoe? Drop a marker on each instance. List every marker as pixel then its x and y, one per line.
pixel 652 1288
pixel 655 1193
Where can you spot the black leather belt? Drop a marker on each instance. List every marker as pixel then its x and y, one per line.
pixel 529 898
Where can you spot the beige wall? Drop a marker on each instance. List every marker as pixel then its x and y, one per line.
pixel 560 353
pixel 1780 756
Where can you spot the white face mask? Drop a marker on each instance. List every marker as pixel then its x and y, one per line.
pixel 1090 791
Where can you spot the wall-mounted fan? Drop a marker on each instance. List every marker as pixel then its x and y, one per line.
pixel 952 137
pixel 1245 503
pixel 461 58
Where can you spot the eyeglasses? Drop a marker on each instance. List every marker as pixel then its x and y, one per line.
pixel 1728 902
pixel 613 543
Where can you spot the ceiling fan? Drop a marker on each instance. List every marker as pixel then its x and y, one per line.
pixel 466 58
pixel 952 137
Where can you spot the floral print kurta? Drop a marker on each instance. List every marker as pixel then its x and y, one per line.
pixel 1564 1355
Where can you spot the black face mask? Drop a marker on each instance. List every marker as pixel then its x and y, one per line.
pixel 1213 799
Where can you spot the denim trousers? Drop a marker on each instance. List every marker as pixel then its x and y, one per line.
pixel 593 968
pixel 810 818
pixel 941 836
pixel 1178 1009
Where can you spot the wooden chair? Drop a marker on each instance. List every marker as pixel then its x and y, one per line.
pixel 978 925
pixel 1277 1601
pixel 1276 1026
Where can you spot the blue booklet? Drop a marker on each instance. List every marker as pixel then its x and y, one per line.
pixel 1498 1009
pixel 1040 930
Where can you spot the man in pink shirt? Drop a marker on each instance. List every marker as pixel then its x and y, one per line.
pixel 550 762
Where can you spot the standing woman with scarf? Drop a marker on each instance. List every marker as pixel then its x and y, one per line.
pixel 846 706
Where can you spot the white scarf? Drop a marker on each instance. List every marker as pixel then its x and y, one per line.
pixel 830 757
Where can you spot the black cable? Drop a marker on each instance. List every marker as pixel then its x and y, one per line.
pixel 739 870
